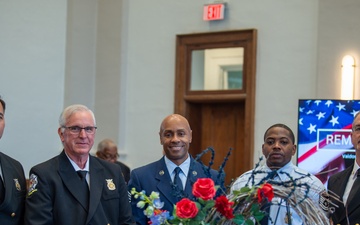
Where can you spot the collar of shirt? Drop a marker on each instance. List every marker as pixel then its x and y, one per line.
pixel 76 167
pixel 282 171
pixel 184 166
pixel 354 171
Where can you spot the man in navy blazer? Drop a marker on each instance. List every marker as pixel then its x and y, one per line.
pixel 59 195
pixel 175 137
pixel 348 210
pixel 13 190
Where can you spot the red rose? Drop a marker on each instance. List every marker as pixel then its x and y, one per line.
pixel 265 191
pixel 186 209
pixel 223 206
pixel 204 188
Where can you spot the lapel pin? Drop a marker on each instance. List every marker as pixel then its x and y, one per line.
pixel 194 173
pixel 17 184
pixel 110 184
pixel 161 172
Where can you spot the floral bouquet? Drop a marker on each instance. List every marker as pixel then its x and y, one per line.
pixel 208 209
pixel 246 206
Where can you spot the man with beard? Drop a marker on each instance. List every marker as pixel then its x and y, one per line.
pixel 160 176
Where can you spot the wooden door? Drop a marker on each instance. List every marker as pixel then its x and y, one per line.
pixel 222 119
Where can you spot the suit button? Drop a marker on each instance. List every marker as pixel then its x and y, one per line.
pixel 13 214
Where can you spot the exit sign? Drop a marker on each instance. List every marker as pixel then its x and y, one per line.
pixel 214 12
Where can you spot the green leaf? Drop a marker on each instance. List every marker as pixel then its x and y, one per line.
pixel 200 216
pixel 209 204
pixel 193 222
pixel 258 215
pixel 249 222
pixel 245 189
pixel 202 201
pixel 255 207
pixel 238 219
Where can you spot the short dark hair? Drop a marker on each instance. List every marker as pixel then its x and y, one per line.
pixel 2 103
pixel 292 136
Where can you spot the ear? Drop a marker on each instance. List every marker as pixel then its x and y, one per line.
pixel 262 149
pixel 161 142
pixel 190 136
pixel 294 150
pixel 61 134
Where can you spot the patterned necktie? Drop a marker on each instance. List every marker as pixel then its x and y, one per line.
pixel 2 190
pixel 85 187
pixel 177 180
pixel 354 188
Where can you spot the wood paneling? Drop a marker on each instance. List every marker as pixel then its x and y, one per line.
pixel 220 119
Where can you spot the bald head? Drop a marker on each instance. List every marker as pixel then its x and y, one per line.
pixel 107 150
pixel 174 118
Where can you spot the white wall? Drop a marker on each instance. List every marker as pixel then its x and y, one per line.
pixel 32 68
pixel 338 36
pixel 118 57
pixel 286 62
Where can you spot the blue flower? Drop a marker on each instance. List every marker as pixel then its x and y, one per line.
pixel 161 218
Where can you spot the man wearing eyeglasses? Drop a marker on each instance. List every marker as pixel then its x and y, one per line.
pixel 74 187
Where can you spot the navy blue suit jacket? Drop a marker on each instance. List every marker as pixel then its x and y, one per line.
pixel 12 208
pixel 155 177
pixel 337 184
pixel 53 196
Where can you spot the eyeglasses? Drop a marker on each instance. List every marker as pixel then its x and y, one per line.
pixel 77 129
pixel 108 156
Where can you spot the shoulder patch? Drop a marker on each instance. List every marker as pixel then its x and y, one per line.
pixel 32 184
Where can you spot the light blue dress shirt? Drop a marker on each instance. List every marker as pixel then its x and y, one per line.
pixel 183 166
pixel 279 208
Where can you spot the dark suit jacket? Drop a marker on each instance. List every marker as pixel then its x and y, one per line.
pixel 12 208
pixel 155 177
pixel 337 184
pixel 125 171
pixel 53 196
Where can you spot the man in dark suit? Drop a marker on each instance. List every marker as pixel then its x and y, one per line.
pixel 59 188
pixel 12 184
pixel 107 150
pixel 342 183
pixel 175 137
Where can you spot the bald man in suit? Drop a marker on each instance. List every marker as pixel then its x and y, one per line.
pixel 175 137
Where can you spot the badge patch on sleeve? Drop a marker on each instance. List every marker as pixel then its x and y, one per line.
pixel 32 184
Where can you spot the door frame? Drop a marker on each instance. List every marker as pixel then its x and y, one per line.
pixel 186 100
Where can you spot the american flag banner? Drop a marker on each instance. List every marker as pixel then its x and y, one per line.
pixel 324 135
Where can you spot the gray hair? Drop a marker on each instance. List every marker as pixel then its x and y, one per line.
pixel 68 111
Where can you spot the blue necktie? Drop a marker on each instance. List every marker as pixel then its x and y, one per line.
pixel 177 180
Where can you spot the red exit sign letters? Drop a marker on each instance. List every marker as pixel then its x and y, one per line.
pixel 214 12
